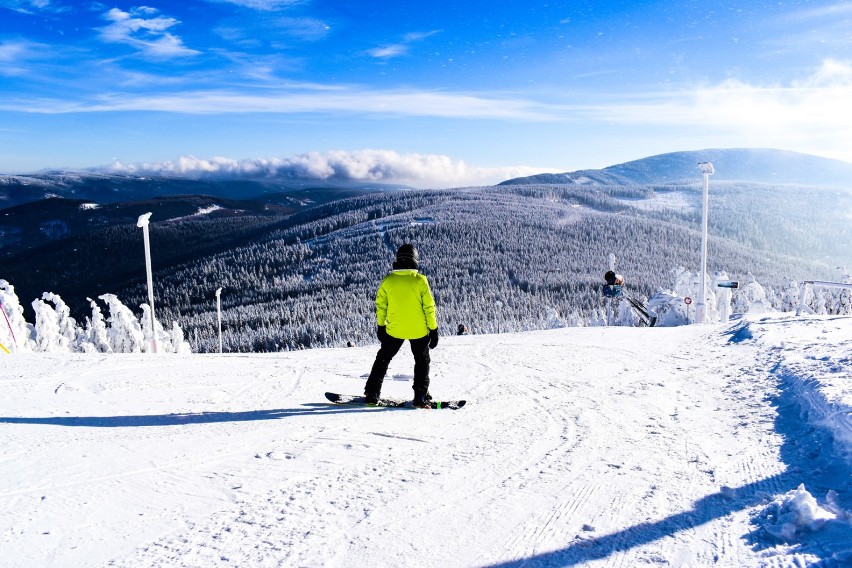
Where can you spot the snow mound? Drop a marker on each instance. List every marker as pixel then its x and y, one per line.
pixel 812 358
pixel 795 513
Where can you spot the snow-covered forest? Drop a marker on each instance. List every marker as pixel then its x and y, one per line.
pixel 503 259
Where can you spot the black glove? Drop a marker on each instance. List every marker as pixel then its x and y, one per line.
pixel 381 333
pixel 433 338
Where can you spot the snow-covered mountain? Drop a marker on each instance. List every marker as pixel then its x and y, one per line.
pixel 764 166
pixel 717 445
pixel 115 188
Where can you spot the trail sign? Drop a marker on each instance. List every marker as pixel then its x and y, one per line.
pixel 728 284
pixel 687 300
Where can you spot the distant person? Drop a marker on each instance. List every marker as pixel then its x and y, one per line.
pixel 614 281
pixel 462 330
pixel 405 310
pixel 613 290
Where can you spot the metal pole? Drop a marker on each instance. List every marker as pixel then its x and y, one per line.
pixel 8 323
pixel 219 315
pixel 143 223
pixel 700 308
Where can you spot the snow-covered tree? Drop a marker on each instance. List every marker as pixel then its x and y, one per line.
pixel 68 330
pixel 844 298
pixel 125 334
pixel 790 296
pixel 49 338
pixel 554 321
pixel 751 297
pixel 96 335
pixel 15 332
pixel 179 344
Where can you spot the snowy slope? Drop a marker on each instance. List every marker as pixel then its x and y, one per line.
pixel 594 447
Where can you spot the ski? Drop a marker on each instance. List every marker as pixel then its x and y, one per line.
pixel 647 318
pixel 359 400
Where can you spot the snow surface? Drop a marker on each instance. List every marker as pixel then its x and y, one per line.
pixel 690 446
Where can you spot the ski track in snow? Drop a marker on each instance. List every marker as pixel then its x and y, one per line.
pixel 613 447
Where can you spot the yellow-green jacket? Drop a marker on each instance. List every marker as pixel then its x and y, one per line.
pixel 404 304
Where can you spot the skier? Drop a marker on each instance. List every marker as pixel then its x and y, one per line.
pixel 612 290
pixel 405 310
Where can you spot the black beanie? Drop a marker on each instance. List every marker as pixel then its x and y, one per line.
pixel 407 257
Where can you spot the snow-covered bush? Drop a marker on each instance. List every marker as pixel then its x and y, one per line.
pixel 56 331
pixel 15 332
pixel 670 309
pixel 95 337
pixel 125 332
pixel 167 342
pixel 751 298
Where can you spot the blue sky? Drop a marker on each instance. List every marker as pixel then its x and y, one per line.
pixel 428 93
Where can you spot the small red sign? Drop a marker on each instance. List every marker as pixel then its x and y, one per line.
pixel 687 300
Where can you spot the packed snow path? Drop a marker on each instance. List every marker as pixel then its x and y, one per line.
pixel 593 447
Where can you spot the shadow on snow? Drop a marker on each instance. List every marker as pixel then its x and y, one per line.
pixel 179 419
pixel 808 453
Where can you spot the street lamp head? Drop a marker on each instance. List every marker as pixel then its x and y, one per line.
pixel 143 220
pixel 706 168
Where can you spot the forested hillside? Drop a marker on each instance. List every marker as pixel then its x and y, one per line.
pixel 299 267
pixel 499 259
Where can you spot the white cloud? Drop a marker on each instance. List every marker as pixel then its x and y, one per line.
pixel 262 5
pixel 388 51
pixel 302 28
pixel 417 36
pixel 144 29
pixel 835 10
pixel 420 170
pixel 810 115
pixel 32 6
pixel 401 48
pixel 13 54
pixel 12 51
pixel 329 100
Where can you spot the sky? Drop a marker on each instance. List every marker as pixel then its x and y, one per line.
pixel 433 94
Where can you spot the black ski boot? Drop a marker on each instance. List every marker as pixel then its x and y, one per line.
pixel 421 400
pixel 371 397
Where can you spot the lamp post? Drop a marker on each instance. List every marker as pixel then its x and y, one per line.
pixel 700 308
pixel 143 224
pixel 219 315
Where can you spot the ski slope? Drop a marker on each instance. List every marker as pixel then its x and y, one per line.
pixel 578 447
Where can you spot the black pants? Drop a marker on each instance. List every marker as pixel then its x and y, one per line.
pixel 390 347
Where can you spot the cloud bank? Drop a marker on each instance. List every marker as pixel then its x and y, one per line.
pixel 387 166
